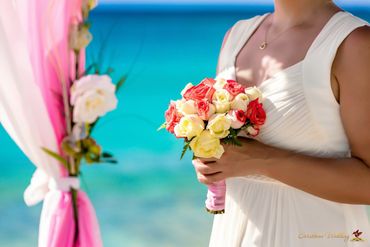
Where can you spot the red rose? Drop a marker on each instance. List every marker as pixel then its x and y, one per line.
pixel 204 109
pixel 255 113
pixel 203 90
pixel 234 88
pixel 240 115
pixel 172 116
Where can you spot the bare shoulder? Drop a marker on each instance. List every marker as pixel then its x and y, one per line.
pixel 352 71
pixel 360 36
pixel 354 54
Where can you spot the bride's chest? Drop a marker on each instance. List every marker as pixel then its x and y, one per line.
pixel 254 65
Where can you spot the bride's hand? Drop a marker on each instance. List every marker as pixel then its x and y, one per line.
pixel 250 158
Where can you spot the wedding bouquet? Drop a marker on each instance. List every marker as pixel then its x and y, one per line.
pixel 210 115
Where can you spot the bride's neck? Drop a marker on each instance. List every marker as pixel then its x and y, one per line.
pixel 292 12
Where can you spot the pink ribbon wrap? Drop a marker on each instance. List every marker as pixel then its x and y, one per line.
pixel 216 194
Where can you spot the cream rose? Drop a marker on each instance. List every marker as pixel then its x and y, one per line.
pixel 220 83
pixel 221 100
pixel 92 96
pixel 189 126
pixel 79 38
pixel 254 93
pixel 89 4
pixel 252 131
pixel 219 125
pixel 186 107
pixel 207 146
pixel 240 102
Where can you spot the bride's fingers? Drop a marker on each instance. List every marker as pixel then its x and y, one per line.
pixel 208 161
pixel 205 169
pixel 210 179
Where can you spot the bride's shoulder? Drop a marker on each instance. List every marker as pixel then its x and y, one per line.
pixel 354 52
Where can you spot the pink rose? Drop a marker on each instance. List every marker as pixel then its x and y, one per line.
pixel 203 90
pixel 205 109
pixel 234 88
pixel 172 116
pixel 238 118
pixel 253 131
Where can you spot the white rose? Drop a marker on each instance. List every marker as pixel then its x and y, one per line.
pixel 219 84
pixel 221 100
pixel 186 107
pixel 253 93
pixel 240 102
pixel 92 96
pixel 189 126
pixel 207 146
pixel 219 125
pixel 189 85
pixel 235 122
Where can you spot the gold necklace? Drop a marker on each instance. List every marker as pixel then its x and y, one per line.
pixel 264 44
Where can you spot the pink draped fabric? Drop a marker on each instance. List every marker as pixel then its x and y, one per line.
pixel 46 23
pixel 57 219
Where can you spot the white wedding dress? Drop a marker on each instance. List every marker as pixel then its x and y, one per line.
pixel 303 116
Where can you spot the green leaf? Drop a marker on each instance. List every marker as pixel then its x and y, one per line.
pixel 120 83
pixel 232 140
pixel 186 147
pixel 109 71
pixel 56 156
pixel 92 126
pixel 89 68
pixel 111 161
pixel 237 142
pixel 163 126
pixel 107 155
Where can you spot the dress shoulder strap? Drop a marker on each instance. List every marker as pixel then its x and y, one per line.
pixel 317 75
pixel 237 37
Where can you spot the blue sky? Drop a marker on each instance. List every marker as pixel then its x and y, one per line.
pixel 341 2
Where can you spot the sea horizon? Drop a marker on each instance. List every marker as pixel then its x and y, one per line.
pixel 206 7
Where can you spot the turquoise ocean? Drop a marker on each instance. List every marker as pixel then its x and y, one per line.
pixel 150 198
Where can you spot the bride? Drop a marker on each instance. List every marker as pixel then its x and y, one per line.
pixel 305 180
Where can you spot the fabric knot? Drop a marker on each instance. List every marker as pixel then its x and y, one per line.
pixel 64 184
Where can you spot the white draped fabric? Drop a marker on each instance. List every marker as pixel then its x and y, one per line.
pixel 22 110
pixel 34 61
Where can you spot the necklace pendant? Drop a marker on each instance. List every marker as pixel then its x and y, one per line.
pixel 263 45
